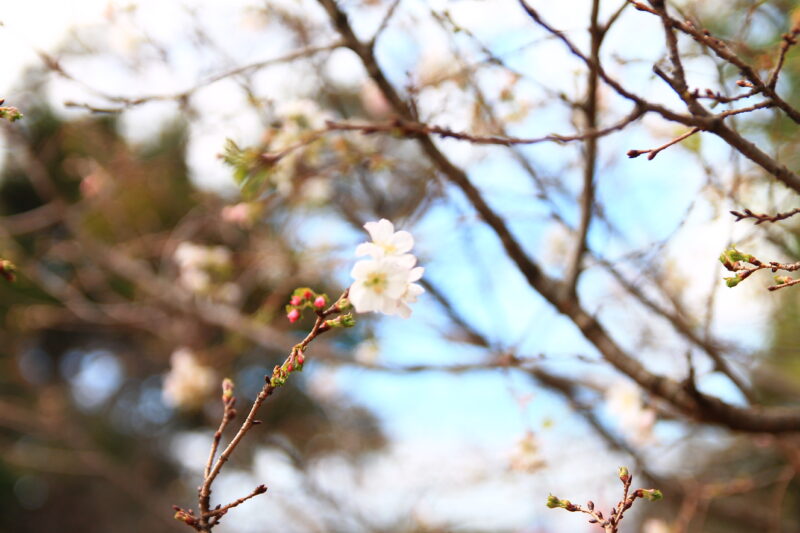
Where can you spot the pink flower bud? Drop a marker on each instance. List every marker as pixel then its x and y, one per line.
pixel 295 300
pixel 300 358
pixel 319 303
pixel 227 389
pixel 289 367
pixel 293 315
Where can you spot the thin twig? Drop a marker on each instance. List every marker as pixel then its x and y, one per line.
pixel 126 102
pixel 653 152
pixel 271 384
pixel 763 217
pixel 586 200
pixel 384 22
pixel 723 51
pixel 706 123
pixel 219 512
pixel 787 41
pixel 228 413
pixel 408 128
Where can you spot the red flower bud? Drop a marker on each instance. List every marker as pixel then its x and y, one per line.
pixel 293 315
pixel 308 295
pixel 300 358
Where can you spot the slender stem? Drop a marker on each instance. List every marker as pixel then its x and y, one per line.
pixel 204 492
pixel 589 156
pixel 412 129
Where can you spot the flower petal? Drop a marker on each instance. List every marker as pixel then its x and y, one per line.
pixel 380 231
pixel 402 241
pixel 403 310
pixel 369 248
pixel 412 292
pixel 415 274
pixel 363 269
pixel 405 261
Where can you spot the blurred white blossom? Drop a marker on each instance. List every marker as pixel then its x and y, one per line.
pixel 316 191
pixel 367 352
pixel 243 214
pixel 204 270
pixel 436 65
pixel 655 525
pixel 556 246
pixel 301 114
pixel 294 140
pixel 374 101
pixel 526 456
pixel 624 402
pixel 188 383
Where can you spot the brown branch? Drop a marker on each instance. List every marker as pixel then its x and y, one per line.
pixel 82 454
pixel 682 326
pixel 781 488
pixel 787 283
pixel 731 112
pixel 611 82
pixel 653 152
pixel 678 79
pixel 219 512
pixel 280 373
pixel 722 99
pixel 700 406
pixel 228 414
pixel 126 102
pixel 709 123
pixel 412 129
pixel 787 41
pixel 615 16
pixel 610 524
pixel 586 200
pixel 745 265
pixel 721 49
pixel 763 217
pixel 34 219
pixel 384 22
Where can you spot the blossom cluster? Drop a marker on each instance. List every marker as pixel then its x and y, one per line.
pixel 385 281
pixel 204 270
pixel 298 120
pixel 188 382
pixel 303 298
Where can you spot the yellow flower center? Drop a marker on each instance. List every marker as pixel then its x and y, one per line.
pixel 376 281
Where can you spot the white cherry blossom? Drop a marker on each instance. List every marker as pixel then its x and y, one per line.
pixel 386 281
pixel 413 290
pixel 204 269
pixel 385 241
pixel 379 285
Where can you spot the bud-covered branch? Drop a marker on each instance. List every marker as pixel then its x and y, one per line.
pixel 610 523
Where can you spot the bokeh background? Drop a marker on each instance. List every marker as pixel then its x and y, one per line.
pixel 156 253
